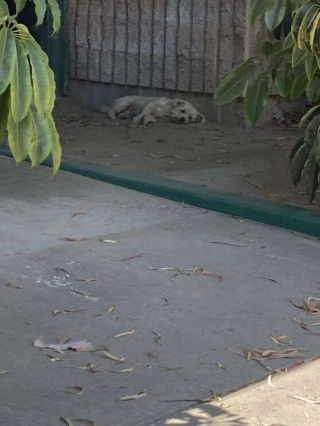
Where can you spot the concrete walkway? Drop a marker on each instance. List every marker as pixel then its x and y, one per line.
pixel 183 327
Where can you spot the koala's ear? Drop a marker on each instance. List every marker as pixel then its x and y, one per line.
pixel 179 103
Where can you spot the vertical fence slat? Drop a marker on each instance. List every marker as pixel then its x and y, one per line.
pixel 197 49
pixel 170 69
pixel 145 43
pixel 212 45
pixel 95 39
pixel 72 13
pixel 226 37
pixel 82 39
pixel 158 43
pixel 184 45
pixel 120 42
pixel 240 31
pixel 107 54
pixel 133 43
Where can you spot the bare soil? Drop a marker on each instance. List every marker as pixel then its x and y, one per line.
pixel 253 162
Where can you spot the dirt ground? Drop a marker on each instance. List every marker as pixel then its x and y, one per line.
pixel 249 161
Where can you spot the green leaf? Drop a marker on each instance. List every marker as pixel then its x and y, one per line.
pixel 298 163
pixel 308 114
pixel 256 100
pixel 20 136
pixel 311 66
pixel 8 57
pixel 41 8
pixel 297 20
pixel 233 85
pixel 52 82
pixel 288 42
pixel 295 149
pixel 313 89
pixel 313 31
pixel 268 48
pixel 284 79
pixel 20 4
pixel 299 86
pixel 312 131
pixel 40 79
pixel 311 172
pixel 21 89
pixel 275 16
pixel 298 56
pixel 42 142
pixel 4 10
pixel 4 113
pixel 258 9
pixel 56 147
pixel 56 15
pixel 307 20
pixel 318 149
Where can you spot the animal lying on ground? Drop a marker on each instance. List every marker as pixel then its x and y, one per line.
pixel 145 110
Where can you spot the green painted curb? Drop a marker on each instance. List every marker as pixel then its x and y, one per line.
pixel 264 211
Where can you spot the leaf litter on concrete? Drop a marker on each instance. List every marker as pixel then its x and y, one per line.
pixel 77 390
pixel 311 305
pixel 190 272
pixel 127 333
pixel 119 358
pixel 13 286
pixel 79 346
pixel 75 239
pixel 138 395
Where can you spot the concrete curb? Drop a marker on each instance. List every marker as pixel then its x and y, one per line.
pixel 263 211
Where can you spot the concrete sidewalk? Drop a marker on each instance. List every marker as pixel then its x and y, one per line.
pixel 197 316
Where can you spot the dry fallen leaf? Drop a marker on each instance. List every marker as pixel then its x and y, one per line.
pixel 109 241
pixel 87 280
pixel 270 381
pixel 228 244
pixel 67 421
pixel 79 214
pixel 158 337
pixel 151 355
pixel 89 367
pixel 127 333
pixel 53 358
pixel 281 340
pixel 261 354
pixel 84 421
pixel 166 301
pixel 310 401
pixel 3 372
pixel 109 311
pixel 79 346
pixel 190 272
pixel 82 293
pixel 113 357
pixel 130 257
pixel 211 274
pixel 13 285
pixel 75 239
pixel 126 370
pixel 310 305
pixel 300 322
pixel 65 271
pixel 78 390
pixel 224 367
pixel 257 185
pixel 139 395
pixel 67 311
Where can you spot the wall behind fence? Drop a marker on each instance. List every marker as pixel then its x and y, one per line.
pixel 185 45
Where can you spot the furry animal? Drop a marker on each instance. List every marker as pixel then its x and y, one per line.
pixel 145 110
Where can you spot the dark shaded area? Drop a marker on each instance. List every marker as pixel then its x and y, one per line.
pixel 26 17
